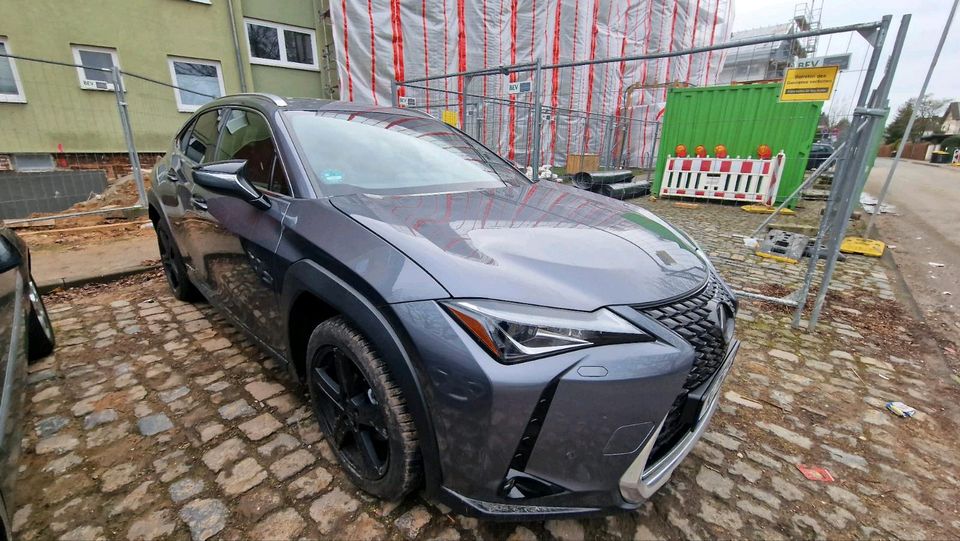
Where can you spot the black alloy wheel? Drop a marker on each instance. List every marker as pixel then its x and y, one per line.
pixel 350 412
pixel 361 411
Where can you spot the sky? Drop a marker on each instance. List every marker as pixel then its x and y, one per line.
pixel 926 25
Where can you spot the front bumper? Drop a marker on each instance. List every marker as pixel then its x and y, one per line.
pixel 593 415
pixel 642 480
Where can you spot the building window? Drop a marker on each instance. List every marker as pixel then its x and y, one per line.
pixel 274 44
pixel 95 60
pixel 197 82
pixel 11 90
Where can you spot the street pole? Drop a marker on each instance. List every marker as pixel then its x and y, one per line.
pixel 913 117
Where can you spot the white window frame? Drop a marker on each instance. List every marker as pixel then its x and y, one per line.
pixel 283 62
pixel 85 83
pixel 188 108
pixel 20 96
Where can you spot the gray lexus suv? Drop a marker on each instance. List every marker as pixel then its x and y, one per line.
pixel 518 349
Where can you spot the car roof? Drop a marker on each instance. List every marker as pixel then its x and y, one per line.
pixel 271 101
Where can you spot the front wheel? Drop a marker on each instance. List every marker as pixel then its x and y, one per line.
pixel 40 340
pixel 362 411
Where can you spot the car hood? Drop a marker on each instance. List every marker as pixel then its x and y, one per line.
pixel 545 244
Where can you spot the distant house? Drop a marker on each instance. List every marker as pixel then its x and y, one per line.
pixel 950 122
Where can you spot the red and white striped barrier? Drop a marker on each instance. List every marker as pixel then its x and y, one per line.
pixel 750 180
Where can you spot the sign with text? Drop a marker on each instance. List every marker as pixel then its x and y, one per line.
pixel 842 60
pixel 519 87
pixel 809 84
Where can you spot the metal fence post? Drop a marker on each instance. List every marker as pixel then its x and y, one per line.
pixel 652 162
pixel 119 91
pixel 856 170
pixel 537 118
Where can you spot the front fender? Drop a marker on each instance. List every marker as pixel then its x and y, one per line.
pixel 378 326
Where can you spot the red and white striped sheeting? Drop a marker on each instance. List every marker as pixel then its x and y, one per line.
pixel 750 180
pixel 378 41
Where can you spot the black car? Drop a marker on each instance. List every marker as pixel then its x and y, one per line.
pixel 518 348
pixel 819 152
pixel 25 335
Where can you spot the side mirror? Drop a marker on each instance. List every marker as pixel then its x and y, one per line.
pixel 226 178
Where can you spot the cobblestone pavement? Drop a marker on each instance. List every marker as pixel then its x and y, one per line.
pixel 156 419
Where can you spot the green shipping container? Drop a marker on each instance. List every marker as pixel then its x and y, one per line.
pixel 740 117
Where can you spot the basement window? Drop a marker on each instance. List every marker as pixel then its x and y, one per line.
pixel 274 44
pixel 11 90
pixel 197 82
pixel 97 63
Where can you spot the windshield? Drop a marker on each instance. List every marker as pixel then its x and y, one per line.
pixel 379 152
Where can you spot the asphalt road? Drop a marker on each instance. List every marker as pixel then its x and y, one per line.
pixel 925 233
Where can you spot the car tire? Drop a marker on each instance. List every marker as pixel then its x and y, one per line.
pixel 173 266
pixel 362 412
pixel 40 339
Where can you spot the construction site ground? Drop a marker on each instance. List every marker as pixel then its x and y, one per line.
pixel 157 419
pixel 86 247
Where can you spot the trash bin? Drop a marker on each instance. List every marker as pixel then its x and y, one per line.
pixel 940 156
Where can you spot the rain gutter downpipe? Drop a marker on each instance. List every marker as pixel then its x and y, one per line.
pixel 236 47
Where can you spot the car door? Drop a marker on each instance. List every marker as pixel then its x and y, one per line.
pixel 14 308
pixel 238 242
pixel 196 147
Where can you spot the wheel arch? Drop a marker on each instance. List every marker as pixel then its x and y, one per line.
pixel 312 294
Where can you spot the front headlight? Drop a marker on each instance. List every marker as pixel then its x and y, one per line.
pixel 518 332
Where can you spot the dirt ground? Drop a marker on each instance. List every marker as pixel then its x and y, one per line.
pixel 923 235
pixel 75 232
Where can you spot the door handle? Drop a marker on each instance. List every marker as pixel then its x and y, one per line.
pixel 172 175
pixel 198 202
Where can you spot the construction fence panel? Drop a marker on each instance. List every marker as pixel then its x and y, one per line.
pixel 498 109
pixel 56 132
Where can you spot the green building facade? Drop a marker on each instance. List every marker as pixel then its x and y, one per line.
pixel 213 47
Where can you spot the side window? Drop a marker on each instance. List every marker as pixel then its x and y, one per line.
pixel 246 136
pixel 201 141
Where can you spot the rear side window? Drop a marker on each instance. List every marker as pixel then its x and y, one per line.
pixel 201 141
pixel 247 136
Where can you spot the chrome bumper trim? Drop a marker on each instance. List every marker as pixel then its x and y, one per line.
pixel 639 482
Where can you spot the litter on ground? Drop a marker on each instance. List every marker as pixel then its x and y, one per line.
pixel 869 204
pixel 900 409
pixel 816 473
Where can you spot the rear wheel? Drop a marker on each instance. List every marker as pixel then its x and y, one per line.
pixel 173 267
pixel 40 340
pixel 362 411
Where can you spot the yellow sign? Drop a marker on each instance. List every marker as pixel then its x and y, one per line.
pixel 809 84
pixel 451 117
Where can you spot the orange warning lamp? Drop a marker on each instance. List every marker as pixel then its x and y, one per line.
pixel 720 151
pixel 764 152
pixel 700 151
pixel 680 151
